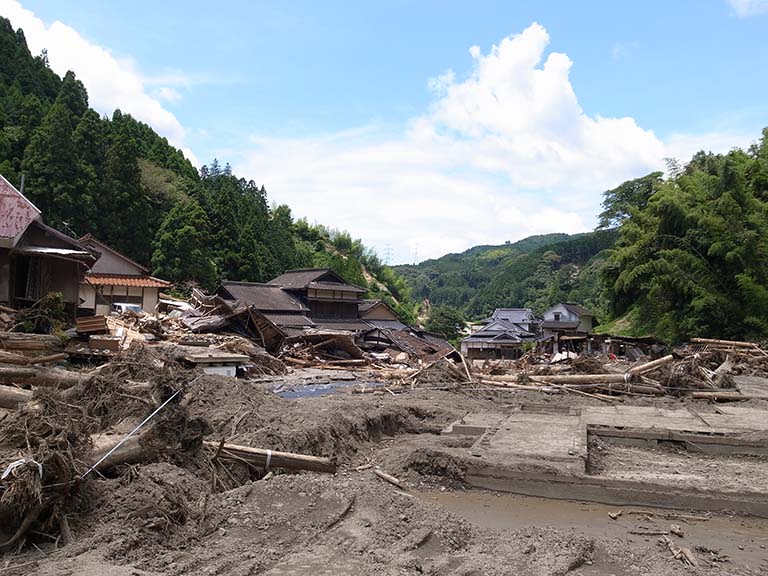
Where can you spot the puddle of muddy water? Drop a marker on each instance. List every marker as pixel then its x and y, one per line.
pixel 311 390
pixel 503 511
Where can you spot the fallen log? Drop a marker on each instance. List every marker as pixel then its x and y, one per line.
pixel 583 378
pixel 388 478
pixel 621 387
pixel 11 397
pixel 20 360
pixel 10 358
pixel 353 362
pixel 23 341
pixel 41 376
pixel 651 366
pixel 131 452
pixel 48 359
pixel 724 396
pixel 275 459
pixel 731 343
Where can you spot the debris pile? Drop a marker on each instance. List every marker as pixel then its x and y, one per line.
pixel 702 369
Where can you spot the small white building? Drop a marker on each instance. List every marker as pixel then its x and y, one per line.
pixel 116 279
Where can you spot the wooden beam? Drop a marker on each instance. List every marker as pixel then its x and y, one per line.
pixel 275 459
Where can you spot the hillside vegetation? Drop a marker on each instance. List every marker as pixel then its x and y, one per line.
pixel 535 272
pixel 119 180
pixel 681 256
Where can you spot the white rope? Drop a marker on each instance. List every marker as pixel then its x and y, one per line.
pixel 269 459
pixel 13 465
pixel 131 433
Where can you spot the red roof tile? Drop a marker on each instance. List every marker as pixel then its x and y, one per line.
pixel 118 280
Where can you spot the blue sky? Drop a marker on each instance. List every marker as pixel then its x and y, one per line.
pixel 347 111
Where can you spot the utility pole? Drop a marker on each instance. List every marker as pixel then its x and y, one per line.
pixel 387 253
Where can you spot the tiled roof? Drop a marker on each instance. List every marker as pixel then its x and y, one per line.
pixel 335 286
pixel 320 278
pixel 123 280
pixel 389 324
pixel 299 278
pixel 514 315
pixel 294 320
pixel 577 309
pixel 264 297
pixel 351 324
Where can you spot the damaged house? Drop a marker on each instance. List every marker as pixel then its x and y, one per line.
pixel 276 304
pixel 36 259
pixel 116 279
pixel 301 299
pixel 567 327
pixel 502 336
pixel 332 302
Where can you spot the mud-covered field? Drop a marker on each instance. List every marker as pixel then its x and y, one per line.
pixel 180 514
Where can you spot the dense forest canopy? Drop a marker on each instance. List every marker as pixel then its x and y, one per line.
pixel 693 260
pixel 117 179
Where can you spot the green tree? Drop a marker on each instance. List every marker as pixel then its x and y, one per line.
pixel 129 227
pixel 619 203
pixel 694 261
pixel 447 321
pixel 182 252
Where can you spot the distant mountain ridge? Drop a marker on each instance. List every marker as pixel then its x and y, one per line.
pixel 536 272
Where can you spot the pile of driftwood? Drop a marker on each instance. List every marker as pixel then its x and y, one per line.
pixel 59 428
pixel 702 369
pixel 323 350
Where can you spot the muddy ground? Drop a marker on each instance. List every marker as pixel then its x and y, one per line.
pixel 171 516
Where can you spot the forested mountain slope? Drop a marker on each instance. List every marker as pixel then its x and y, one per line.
pixel 535 272
pixel 117 179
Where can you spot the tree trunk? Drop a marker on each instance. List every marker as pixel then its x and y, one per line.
pixel 41 376
pixel 11 397
pixel 651 366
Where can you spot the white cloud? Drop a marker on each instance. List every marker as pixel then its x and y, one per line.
pixel 502 154
pixel 745 8
pixel 111 82
pixel 168 94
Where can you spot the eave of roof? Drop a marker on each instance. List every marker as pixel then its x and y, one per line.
pixel 126 280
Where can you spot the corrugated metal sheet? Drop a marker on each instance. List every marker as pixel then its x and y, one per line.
pixel 16 214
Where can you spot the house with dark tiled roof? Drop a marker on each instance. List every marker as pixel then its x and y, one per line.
pixel 502 336
pixel 327 295
pixel 117 279
pixel 36 259
pixel 278 305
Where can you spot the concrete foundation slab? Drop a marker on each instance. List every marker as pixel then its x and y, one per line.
pixel 547 454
